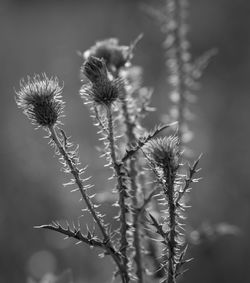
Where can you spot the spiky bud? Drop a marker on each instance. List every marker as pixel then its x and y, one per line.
pixel 102 90
pixel 40 99
pixel 165 153
pixel 114 55
pixel 94 69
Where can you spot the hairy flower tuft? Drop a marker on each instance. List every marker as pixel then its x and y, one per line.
pixel 40 99
pixel 114 55
pixel 102 90
pixel 165 153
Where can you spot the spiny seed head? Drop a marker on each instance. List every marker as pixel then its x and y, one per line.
pixel 102 89
pixel 114 55
pixel 40 99
pixel 94 69
pixel 104 92
pixel 165 153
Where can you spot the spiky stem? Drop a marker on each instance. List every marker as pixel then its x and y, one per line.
pixel 134 191
pixel 75 172
pixel 122 195
pixel 172 243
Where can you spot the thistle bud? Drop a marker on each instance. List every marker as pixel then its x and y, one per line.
pixel 40 100
pixel 165 153
pixel 94 69
pixel 102 89
pixel 103 93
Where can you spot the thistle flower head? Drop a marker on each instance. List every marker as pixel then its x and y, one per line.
pixel 40 99
pixel 94 69
pixel 102 90
pixel 165 153
pixel 103 93
pixel 114 55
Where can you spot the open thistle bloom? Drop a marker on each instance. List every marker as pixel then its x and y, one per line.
pixel 102 90
pixel 40 99
pixel 164 153
pixel 115 56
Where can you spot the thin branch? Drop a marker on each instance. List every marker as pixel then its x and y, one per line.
pixel 189 180
pixel 76 234
pixel 141 142
pixel 75 172
pixel 159 229
pixel 146 201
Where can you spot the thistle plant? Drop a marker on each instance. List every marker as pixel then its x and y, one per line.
pixel 148 166
pixel 164 157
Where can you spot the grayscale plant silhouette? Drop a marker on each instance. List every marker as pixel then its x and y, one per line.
pixel 150 168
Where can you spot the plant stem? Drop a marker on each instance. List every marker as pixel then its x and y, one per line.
pixel 134 190
pixel 181 87
pixel 122 194
pixel 75 172
pixel 178 53
pixel 172 243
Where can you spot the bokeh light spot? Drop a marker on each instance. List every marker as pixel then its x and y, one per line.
pixel 40 263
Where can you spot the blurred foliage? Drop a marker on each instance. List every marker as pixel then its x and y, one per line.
pixel 44 36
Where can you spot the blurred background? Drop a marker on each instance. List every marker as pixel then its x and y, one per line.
pixel 44 36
